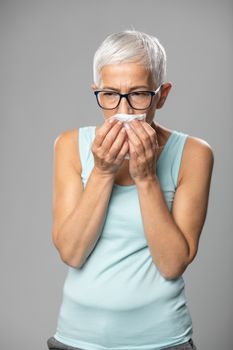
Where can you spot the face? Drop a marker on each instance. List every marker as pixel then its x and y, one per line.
pixel 128 77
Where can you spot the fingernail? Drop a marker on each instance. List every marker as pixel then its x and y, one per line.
pixel 111 120
pixel 127 126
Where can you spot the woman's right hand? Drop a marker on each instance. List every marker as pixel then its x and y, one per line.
pixel 110 147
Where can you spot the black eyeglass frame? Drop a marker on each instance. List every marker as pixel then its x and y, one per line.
pixel 152 93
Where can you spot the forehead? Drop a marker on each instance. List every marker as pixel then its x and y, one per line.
pixel 125 74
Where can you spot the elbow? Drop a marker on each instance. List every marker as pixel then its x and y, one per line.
pixel 173 274
pixel 72 256
pixel 71 261
pixel 68 257
pixel 170 277
pixel 176 269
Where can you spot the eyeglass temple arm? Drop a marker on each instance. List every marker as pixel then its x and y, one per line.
pixel 157 90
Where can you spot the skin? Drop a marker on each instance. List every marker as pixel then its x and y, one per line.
pixel 78 214
pixel 124 78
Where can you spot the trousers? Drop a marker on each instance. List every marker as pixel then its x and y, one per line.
pixel 54 344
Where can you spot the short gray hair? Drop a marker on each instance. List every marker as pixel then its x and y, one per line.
pixel 132 46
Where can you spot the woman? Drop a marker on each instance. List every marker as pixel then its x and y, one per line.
pixel 128 228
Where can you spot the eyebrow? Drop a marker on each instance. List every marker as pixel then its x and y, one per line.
pixel 132 88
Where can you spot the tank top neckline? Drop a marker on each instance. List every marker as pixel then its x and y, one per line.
pixel 123 187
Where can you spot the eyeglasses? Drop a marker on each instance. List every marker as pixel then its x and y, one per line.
pixel 137 99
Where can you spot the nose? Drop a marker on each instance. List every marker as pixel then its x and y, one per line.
pixel 124 107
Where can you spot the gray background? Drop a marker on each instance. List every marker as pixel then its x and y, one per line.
pixel 47 49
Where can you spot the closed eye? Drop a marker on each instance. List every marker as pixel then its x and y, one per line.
pixel 140 93
pixel 109 93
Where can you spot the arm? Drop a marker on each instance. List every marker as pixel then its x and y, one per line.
pixel 78 214
pixel 173 237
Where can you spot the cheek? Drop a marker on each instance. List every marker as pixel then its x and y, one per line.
pixel 150 115
pixel 152 110
pixel 108 114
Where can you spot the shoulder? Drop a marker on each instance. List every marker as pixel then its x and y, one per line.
pixel 66 144
pixel 197 148
pixel 197 155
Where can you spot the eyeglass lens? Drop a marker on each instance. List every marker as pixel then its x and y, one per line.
pixel 138 100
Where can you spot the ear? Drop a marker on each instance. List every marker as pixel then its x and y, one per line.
pixel 165 89
pixel 94 87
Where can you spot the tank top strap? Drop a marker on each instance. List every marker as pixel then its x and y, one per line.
pixel 85 138
pixel 177 146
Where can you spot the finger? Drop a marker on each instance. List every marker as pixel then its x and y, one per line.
pixel 132 151
pixel 111 136
pixel 124 150
pixel 103 131
pixel 135 140
pixel 117 144
pixel 152 134
pixel 142 134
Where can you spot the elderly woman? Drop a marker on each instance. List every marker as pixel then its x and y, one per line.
pixel 129 204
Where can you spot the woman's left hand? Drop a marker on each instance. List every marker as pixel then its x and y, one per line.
pixel 143 150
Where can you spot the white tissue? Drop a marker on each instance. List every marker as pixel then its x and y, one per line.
pixel 128 117
pixel 125 118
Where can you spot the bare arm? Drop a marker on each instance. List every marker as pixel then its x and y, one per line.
pixel 79 214
pixel 173 237
pixel 81 229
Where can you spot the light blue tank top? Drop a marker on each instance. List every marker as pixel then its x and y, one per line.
pixel 118 299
